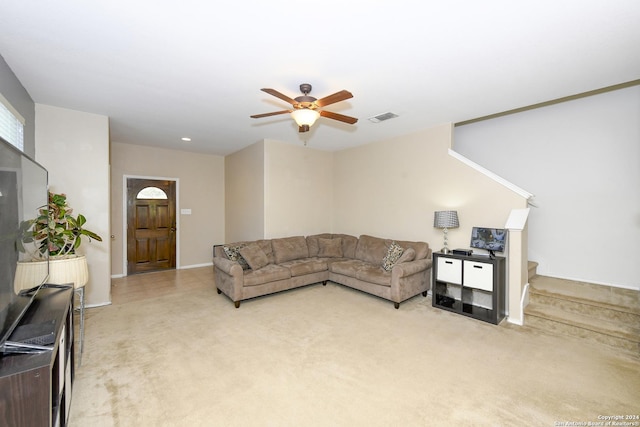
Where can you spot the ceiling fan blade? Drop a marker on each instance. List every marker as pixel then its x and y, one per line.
pixel 258 116
pixel 339 117
pixel 279 95
pixel 332 99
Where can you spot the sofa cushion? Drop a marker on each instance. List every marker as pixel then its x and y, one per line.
pixel 349 244
pixel 421 248
pixel 408 255
pixel 371 249
pixel 347 267
pixel 394 252
pixel 289 248
pixel 330 248
pixel 300 267
pixel 232 252
pixel 265 245
pixel 362 270
pixel 266 274
pixel 254 255
pixel 312 243
pixel 374 274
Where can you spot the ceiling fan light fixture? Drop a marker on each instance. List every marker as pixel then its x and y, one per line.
pixel 305 116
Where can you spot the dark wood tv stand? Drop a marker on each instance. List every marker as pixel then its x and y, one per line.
pixel 35 389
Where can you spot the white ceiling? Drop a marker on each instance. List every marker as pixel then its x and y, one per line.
pixel 165 69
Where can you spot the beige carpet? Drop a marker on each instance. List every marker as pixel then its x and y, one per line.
pixel 331 356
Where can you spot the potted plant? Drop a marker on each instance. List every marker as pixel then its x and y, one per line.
pixel 58 231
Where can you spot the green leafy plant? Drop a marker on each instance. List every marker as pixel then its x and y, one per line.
pixel 57 230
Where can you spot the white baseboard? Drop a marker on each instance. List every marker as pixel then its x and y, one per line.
pixel 186 267
pixel 183 267
pixel 524 301
pixel 525 297
pixel 102 304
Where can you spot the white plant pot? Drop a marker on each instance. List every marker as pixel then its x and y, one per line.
pixel 71 269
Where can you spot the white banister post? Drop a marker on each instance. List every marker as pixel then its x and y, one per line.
pixel 517 265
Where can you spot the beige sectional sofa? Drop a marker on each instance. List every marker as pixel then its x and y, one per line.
pixel 393 270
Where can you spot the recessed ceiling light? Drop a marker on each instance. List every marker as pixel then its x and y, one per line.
pixel 185 139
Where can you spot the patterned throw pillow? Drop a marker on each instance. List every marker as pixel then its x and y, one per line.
pixel 393 254
pixel 233 253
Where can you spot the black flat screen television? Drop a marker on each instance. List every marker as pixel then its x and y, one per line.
pixel 23 191
pixel 491 239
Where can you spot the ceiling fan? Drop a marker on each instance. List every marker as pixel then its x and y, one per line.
pixel 306 109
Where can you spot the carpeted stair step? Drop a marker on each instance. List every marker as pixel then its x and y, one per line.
pixel 532 267
pixel 557 320
pixel 602 314
pixel 595 309
pixel 622 299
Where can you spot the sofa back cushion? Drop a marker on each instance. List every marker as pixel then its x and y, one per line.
pixel 289 249
pixel 349 244
pixel 330 248
pixel 265 245
pixel 312 243
pixel 374 249
pixel 254 256
pixel 371 249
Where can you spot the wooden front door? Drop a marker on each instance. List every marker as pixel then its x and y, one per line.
pixel 151 225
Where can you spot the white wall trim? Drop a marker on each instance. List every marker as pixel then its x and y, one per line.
pixel 124 216
pixel 206 264
pixel 524 301
pixel 98 305
pixel 491 175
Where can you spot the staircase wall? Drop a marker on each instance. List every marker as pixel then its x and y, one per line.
pixel 579 158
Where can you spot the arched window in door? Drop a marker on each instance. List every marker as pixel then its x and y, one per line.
pixel 151 193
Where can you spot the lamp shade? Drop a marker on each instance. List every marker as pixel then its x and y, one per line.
pixel 305 116
pixel 446 219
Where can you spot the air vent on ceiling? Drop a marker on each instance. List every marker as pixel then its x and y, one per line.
pixel 382 117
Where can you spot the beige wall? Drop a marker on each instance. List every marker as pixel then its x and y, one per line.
pixel 244 196
pixel 389 189
pixel 200 180
pixel 275 189
pixel 298 190
pixel 74 147
pixel 392 188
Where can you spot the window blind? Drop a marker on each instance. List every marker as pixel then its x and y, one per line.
pixel 11 124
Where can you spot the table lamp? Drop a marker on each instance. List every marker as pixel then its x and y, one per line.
pixel 445 220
